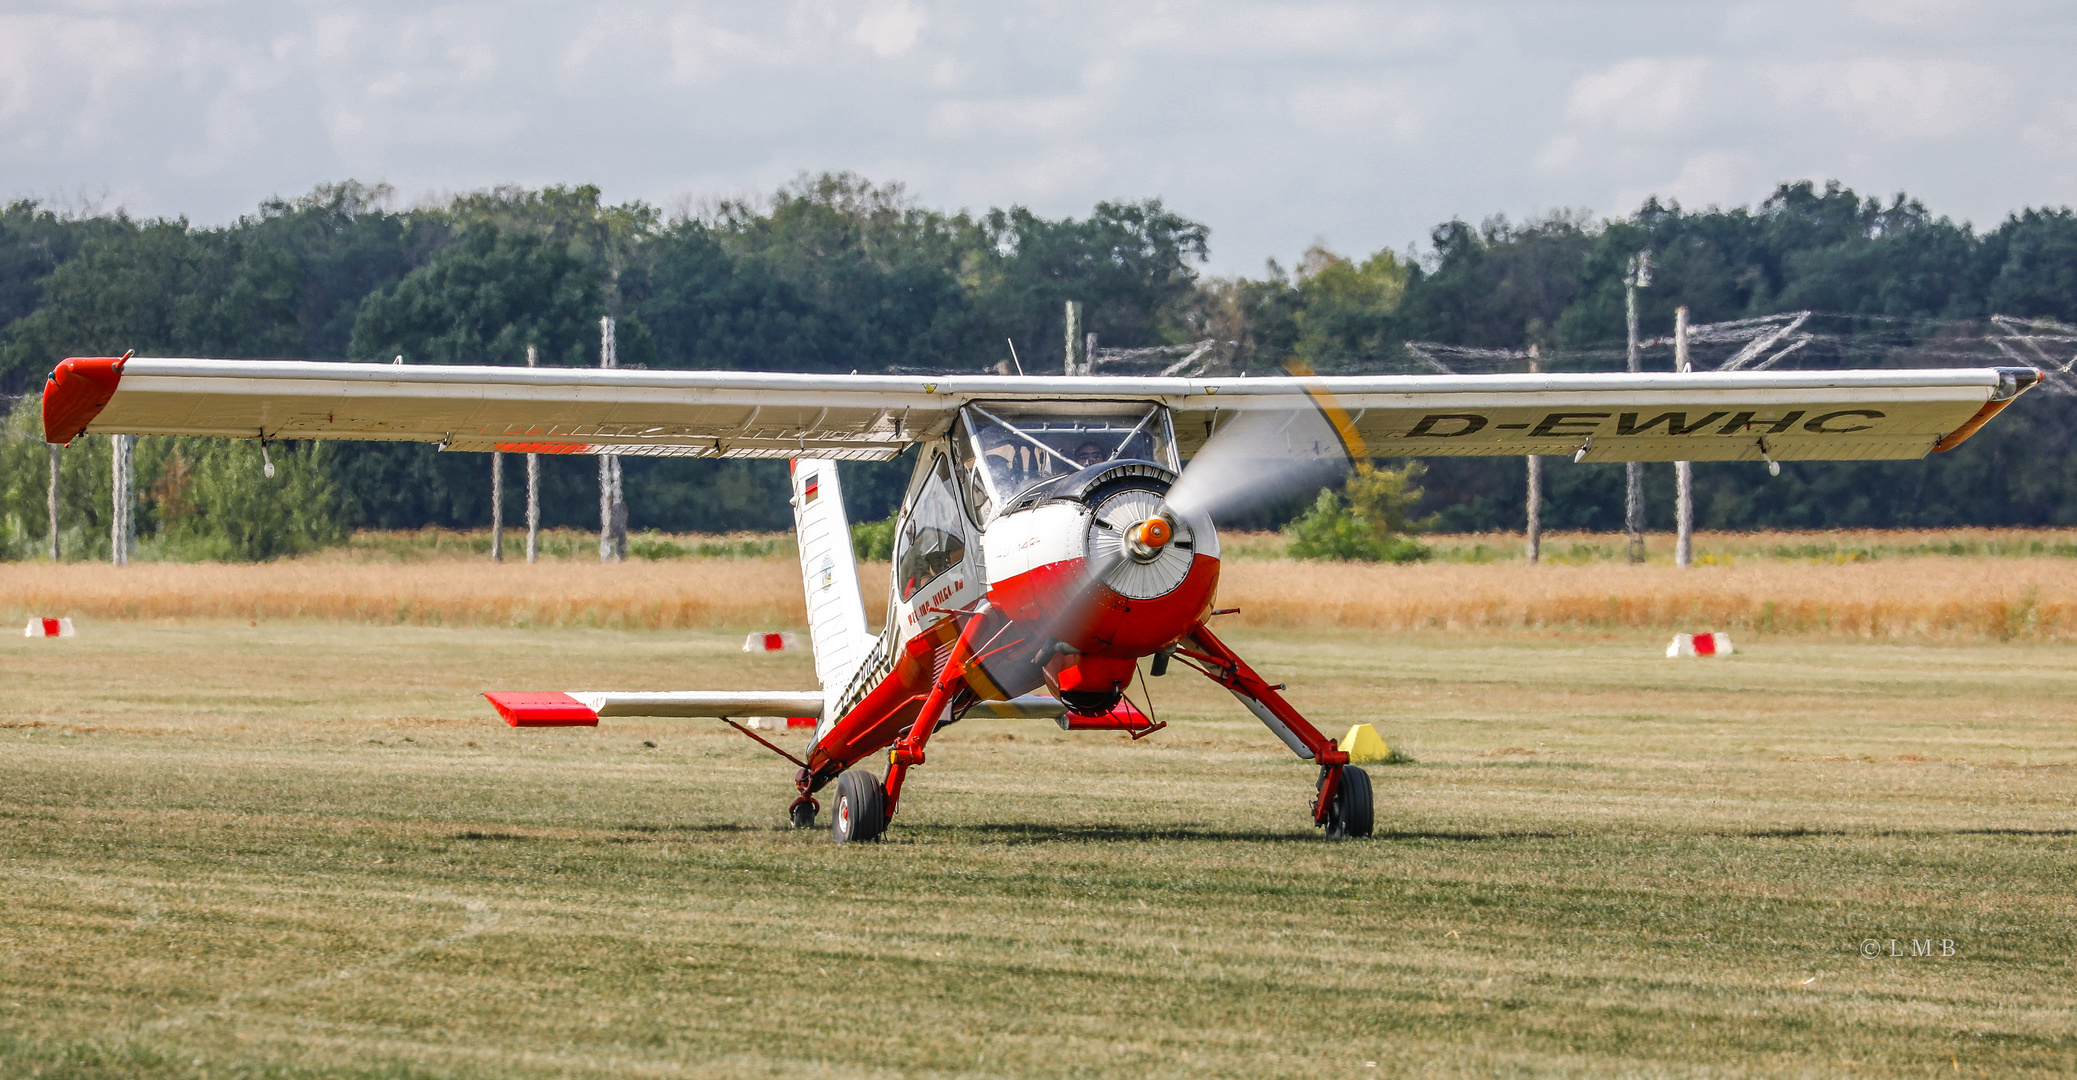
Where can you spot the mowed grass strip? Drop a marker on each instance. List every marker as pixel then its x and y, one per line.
pixel 308 849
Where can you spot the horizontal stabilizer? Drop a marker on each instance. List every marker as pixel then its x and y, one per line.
pixel 584 707
pixel 543 710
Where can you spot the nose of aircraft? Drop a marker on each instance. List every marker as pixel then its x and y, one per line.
pixel 1149 537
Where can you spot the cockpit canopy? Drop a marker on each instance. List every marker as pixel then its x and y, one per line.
pixel 1004 448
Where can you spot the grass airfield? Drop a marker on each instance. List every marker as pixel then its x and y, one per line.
pixel 300 848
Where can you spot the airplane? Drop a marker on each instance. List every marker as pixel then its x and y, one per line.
pixel 1052 537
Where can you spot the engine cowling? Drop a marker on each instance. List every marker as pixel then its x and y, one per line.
pixel 1160 569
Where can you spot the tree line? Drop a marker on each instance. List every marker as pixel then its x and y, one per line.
pixel 835 273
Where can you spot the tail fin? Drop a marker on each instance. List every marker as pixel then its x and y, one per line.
pixel 836 611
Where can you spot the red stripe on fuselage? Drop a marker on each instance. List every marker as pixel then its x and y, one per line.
pixel 1115 625
pixel 878 719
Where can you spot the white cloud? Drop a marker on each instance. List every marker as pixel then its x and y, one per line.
pixel 1257 31
pixel 1706 178
pixel 1359 109
pixel 1012 116
pixel 1899 98
pixel 1913 12
pixel 1271 122
pixel 890 27
pixel 1642 95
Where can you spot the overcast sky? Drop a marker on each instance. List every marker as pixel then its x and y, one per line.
pixel 1275 124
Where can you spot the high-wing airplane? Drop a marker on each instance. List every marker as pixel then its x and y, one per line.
pixel 1051 538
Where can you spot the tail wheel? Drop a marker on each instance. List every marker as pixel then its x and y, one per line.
pixel 860 812
pixel 1351 812
pixel 803 812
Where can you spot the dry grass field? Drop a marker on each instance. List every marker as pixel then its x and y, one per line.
pixel 305 848
pixel 1897 597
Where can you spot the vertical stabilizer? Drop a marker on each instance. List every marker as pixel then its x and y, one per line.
pixel 836 611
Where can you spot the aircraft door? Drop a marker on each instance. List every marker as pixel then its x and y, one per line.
pixel 936 561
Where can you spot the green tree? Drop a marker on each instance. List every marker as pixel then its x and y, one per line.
pixel 709 310
pixel 482 300
pixel 213 501
pixel 1133 265
pixel 1345 313
pixel 1370 521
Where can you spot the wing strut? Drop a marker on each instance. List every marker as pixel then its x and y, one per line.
pixel 769 745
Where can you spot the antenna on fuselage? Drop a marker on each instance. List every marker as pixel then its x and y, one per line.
pixel 1013 355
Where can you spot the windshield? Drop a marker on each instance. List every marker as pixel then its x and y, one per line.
pixel 1005 448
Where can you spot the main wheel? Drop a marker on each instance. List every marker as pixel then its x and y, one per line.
pixel 860 812
pixel 1351 813
pixel 803 812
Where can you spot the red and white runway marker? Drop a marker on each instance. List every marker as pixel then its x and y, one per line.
pixel 50 628
pixel 774 642
pixel 1712 644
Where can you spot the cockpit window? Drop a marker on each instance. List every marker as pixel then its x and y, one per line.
pixel 931 540
pixel 1005 447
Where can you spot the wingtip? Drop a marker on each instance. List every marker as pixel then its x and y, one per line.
pixel 75 393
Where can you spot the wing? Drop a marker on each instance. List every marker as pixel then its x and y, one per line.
pixel 1713 416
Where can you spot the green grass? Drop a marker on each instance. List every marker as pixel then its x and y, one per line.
pixel 308 850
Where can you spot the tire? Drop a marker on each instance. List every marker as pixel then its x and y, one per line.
pixel 1351 813
pixel 860 811
pixel 802 812
pixel 1358 812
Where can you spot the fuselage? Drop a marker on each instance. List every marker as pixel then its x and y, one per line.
pixel 1052 530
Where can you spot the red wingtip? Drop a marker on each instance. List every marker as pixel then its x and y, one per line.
pixel 542 710
pixel 78 388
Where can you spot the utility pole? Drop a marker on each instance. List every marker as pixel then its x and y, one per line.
pixel 54 448
pixel 497 506
pixel 612 507
pixel 533 491
pixel 1639 277
pixel 120 447
pixel 1074 337
pixel 1535 529
pixel 1683 472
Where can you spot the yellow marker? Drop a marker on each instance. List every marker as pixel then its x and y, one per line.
pixel 1363 746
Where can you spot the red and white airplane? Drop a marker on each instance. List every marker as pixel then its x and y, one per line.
pixel 1051 537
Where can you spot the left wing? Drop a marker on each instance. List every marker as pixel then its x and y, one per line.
pixel 1705 416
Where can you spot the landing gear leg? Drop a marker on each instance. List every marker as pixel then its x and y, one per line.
pixel 1339 782
pixel 908 751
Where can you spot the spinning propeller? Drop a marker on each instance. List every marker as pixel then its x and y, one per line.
pixel 1139 543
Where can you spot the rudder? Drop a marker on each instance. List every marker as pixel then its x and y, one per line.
pixel 829 573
